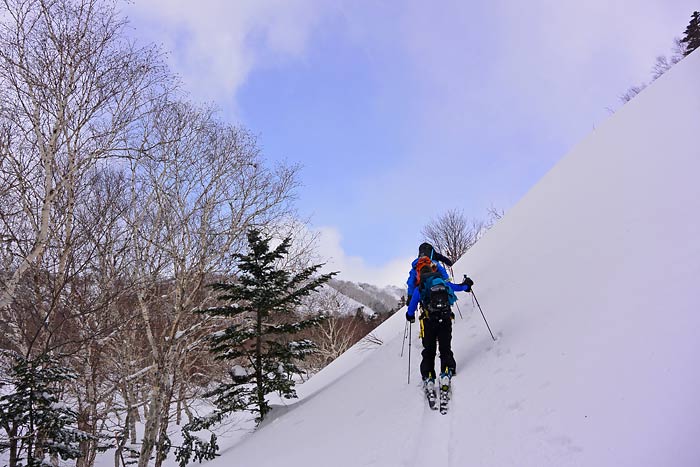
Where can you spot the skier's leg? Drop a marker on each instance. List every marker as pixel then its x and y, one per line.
pixel 444 336
pixel 427 365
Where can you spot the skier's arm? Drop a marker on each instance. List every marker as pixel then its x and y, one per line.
pixel 459 287
pixel 438 257
pixel 411 282
pixel 415 299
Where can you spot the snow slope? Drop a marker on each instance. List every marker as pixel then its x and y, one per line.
pixel 590 285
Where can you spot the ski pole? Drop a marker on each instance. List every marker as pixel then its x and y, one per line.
pixel 460 311
pixel 405 335
pixel 410 326
pixel 482 315
pixel 452 273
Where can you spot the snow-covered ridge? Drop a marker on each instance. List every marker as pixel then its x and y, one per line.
pixel 376 299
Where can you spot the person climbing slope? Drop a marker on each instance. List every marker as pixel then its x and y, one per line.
pixel 436 296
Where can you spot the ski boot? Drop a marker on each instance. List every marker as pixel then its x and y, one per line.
pixel 429 388
pixel 445 383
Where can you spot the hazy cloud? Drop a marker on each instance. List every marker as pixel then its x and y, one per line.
pixel 215 44
pixel 354 268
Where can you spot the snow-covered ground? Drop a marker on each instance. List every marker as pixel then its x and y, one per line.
pixel 590 284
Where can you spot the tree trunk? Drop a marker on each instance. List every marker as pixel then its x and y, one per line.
pixel 12 433
pixel 165 412
pixel 159 412
pixel 259 367
pixel 151 430
pixel 88 418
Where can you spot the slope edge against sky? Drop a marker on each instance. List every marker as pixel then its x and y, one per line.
pixel 589 283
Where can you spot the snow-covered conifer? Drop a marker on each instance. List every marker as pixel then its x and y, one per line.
pixel 35 424
pixel 692 34
pixel 262 305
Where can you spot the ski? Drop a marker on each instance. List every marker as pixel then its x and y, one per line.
pixel 444 394
pixel 430 394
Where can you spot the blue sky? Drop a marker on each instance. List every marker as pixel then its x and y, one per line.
pixel 399 111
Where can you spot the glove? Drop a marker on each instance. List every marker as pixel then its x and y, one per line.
pixel 410 318
pixel 468 282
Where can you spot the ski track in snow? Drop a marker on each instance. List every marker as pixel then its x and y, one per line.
pixel 432 437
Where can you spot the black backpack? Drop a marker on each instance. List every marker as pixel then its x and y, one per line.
pixel 436 296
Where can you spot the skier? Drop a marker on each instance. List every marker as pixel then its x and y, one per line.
pixel 426 256
pixel 436 295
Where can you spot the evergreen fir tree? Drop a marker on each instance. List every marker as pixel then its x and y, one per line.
pixel 692 34
pixel 36 424
pixel 262 303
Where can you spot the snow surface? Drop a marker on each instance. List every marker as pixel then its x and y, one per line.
pixel 590 284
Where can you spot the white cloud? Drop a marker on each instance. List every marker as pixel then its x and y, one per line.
pixel 213 45
pixel 502 90
pixel 548 58
pixel 354 268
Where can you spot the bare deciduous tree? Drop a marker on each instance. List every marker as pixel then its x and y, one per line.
pixel 495 215
pixel 664 63
pixel 71 87
pixel 452 233
pixel 118 205
pixel 303 250
pixel 632 92
pixel 200 185
pixel 661 66
pixel 338 332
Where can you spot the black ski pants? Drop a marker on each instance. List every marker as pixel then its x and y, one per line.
pixel 437 333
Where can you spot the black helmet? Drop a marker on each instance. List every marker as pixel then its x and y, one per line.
pixel 425 249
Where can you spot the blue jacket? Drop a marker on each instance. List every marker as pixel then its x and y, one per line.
pixel 411 282
pixel 415 298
